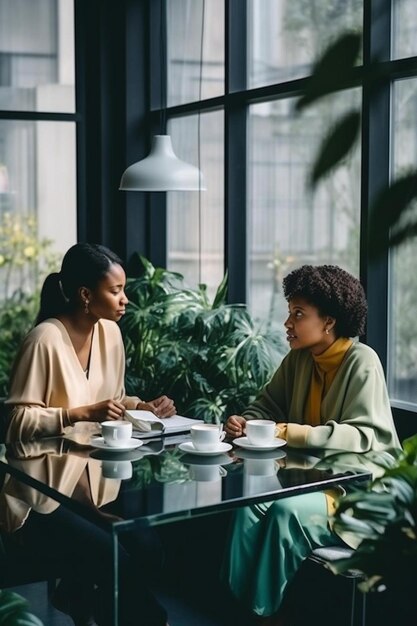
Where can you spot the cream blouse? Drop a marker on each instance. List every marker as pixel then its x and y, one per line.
pixel 48 379
pixel 48 462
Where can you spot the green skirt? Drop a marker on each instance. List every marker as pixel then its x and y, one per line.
pixel 268 543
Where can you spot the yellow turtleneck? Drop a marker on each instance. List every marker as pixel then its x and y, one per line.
pixel 325 369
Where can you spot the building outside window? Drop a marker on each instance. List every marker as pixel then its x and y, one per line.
pixel 37 154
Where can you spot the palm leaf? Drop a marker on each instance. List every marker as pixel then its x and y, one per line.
pixel 336 146
pixel 14 611
pixel 389 212
pixel 332 71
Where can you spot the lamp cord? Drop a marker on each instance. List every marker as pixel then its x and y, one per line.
pixel 163 72
pixel 200 226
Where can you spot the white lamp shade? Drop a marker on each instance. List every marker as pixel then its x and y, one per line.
pixel 161 170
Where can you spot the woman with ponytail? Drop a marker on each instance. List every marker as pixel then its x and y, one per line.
pixel 70 369
pixel 71 366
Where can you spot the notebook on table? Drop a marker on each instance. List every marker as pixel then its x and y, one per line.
pixel 146 424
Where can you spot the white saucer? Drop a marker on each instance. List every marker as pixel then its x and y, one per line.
pixel 98 442
pixel 243 442
pixel 188 446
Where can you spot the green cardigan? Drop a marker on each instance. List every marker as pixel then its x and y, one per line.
pixel 355 413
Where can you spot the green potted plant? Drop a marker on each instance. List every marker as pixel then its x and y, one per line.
pixel 209 356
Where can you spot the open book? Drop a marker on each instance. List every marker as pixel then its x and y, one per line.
pixel 146 424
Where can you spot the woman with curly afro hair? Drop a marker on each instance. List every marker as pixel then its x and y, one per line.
pixel 328 393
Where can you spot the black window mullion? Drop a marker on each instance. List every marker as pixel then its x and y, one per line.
pixel 375 170
pixel 157 201
pixel 235 150
pixel 137 141
pixel 80 106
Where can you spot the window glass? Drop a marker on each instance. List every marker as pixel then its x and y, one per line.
pixel 402 330
pixel 37 55
pixel 285 37
pixel 196 220
pixel 186 22
pixel 287 225
pixel 404 40
pixel 37 161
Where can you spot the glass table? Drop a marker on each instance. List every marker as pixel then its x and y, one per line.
pixel 159 483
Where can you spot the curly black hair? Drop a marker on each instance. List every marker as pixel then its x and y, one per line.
pixel 334 292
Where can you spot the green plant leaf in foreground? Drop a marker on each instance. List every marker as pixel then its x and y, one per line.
pixel 14 611
pixel 390 223
pixel 336 146
pixel 332 69
pixel 384 518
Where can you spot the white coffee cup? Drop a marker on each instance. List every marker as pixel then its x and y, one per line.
pixel 260 432
pixel 207 473
pixel 116 433
pixel 120 470
pixel 207 437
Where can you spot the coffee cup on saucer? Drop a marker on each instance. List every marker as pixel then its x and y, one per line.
pixel 120 470
pixel 116 433
pixel 207 437
pixel 260 432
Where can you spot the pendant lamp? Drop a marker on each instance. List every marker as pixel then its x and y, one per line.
pixel 162 170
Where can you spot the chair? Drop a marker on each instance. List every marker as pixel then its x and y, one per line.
pixel 17 568
pixel 323 557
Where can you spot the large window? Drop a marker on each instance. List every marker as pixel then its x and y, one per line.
pixel 258 215
pixel 403 284
pixel 287 225
pixel 196 219
pixel 195 50
pixel 37 155
pixel 286 37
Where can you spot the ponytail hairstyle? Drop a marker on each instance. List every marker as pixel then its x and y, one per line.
pixel 83 265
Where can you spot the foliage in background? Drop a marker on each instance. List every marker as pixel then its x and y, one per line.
pixel 392 218
pixel 208 356
pixel 385 519
pixel 24 262
pixel 163 468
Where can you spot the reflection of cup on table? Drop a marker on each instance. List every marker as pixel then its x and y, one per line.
pixel 207 472
pixel 116 433
pixel 260 432
pixel 120 470
pixel 260 467
pixel 207 437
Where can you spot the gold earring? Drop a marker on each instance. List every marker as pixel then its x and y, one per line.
pixel 86 309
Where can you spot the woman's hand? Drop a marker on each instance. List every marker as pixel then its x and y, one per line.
pixel 100 412
pixel 161 407
pixel 235 426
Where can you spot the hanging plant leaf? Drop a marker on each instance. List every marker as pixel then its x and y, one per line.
pixel 389 224
pixel 221 293
pixel 332 70
pixel 336 146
